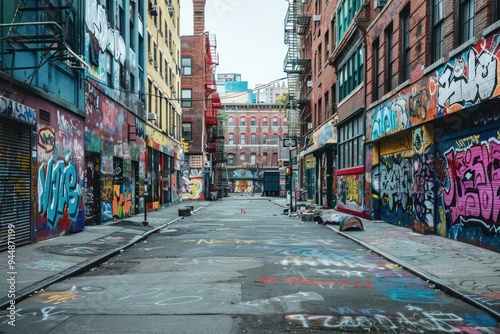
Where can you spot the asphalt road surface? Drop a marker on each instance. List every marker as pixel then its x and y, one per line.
pixel 225 271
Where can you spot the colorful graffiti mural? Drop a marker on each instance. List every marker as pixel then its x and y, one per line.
pixel 468 178
pixel 423 180
pixel 60 203
pixel 350 192
pixel 192 183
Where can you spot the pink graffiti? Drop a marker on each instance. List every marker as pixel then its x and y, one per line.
pixel 474 187
pixel 313 281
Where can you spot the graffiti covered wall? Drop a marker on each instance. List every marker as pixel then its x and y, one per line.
pixel 192 182
pixel 60 174
pixel 119 137
pixel 350 192
pixel 468 187
pixel 467 80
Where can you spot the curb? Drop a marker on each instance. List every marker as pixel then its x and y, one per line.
pixel 79 268
pixel 439 283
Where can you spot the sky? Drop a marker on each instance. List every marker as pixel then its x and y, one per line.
pixel 249 34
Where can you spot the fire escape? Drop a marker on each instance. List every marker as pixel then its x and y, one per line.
pixel 297 63
pixel 45 26
pixel 213 99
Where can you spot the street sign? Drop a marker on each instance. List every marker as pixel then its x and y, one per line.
pixel 290 142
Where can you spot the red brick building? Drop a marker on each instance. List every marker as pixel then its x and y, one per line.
pixel 252 143
pixel 199 102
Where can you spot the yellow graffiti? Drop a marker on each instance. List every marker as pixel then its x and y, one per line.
pixel 468 141
pixel 58 297
pixel 352 189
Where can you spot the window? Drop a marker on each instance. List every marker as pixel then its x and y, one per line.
pixel 264 138
pixel 376 69
pixel 388 59
pixel 186 66
pixel 265 121
pixel 243 121
pixel 253 121
pixel 230 121
pixel 231 139
pixel 243 138
pixel 253 159
pixel 243 157
pixel 437 30
pixel 187 131
pixel 230 159
pixel 264 158
pixel 275 121
pixel 465 20
pixel 405 44
pixel 253 139
pixel 186 98
pixel 320 111
pixel 326 105
pixel 351 144
pixel 346 11
pixel 320 59
pixel 496 11
pixel 327 45
pixel 351 73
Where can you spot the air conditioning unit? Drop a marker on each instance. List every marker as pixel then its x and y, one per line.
pixel 379 3
pixel 152 116
pixel 153 11
pixel 309 83
pixel 317 17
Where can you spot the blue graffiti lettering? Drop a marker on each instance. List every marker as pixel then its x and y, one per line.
pixel 58 191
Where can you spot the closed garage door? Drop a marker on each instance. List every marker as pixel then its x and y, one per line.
pixel 15 182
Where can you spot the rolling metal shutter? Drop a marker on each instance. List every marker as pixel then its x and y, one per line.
pixel 15 182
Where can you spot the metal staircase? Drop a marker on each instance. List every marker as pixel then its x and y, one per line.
pixel 296 65
pixel 46 26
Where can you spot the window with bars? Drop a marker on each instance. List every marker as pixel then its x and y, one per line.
pixel 351 144
pixel 351 74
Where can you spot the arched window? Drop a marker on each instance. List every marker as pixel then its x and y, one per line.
pixel 265 121
pixel 275 138
pixel 275 121
pixel 243 121
pixel 231 139
pixel 253 139
pixel 230 121
pixel 264 159
pixel 253 121
pixel 264 138
pixel 253 158
pixel 285 121
pixel 243 138
pixel 243 157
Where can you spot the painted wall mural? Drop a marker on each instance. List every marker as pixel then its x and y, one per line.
pixel 60 176
pixel 392 180
pixel 192 182
pixel 467 80
pixel 107 133
pixel 350 192
pixel 423 180
pixel 468 181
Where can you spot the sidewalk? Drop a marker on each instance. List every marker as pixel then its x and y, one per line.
pixel 41 264
pixel 462 270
